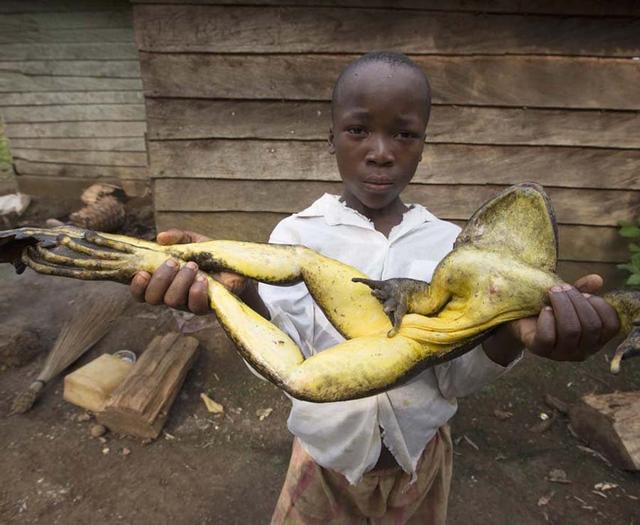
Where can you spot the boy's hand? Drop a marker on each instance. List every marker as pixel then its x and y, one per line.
pixel 576 325
pixel 184 288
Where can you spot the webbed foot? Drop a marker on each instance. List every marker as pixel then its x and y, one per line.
pixel 93 257
pixel 395 296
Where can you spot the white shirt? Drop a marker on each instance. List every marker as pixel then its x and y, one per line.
pixel 345 436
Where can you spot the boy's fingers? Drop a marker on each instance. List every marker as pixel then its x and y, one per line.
pixel 568 328
pixel 590 323
pixel 173 236
pixel 177 295
pixel 198 296
pixel 138 285
pixel 608 317
pixel 160 281
pixel 589 283
pixel 544 339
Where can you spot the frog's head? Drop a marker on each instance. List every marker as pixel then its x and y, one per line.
pixel 627 304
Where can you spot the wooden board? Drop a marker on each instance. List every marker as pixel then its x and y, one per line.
pixel 59 36
pixel 56 6
pixel 442 163
pixel 72 51
pixel 102 158
pixel 586 207
pixel 141 404
pixel 11 82
pixel 288 120
pixel 571 271
pixel 577 243
pixel 72 19
pixel 52 169
pixel 70 113
pixel 610 423
pixel 71 97
pixel 59 195
pixel 75 129
pixel 82 144
pixel 531 81
pixel 227 29
pixel 75 68
pixel 578 7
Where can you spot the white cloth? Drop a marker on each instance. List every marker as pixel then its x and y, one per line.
pixel 345 436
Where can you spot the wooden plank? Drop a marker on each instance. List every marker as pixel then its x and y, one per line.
pixel 239 226
pixel 74 68
pixel 102 158
pixel 73 19
pixel 577 243
pixel 442 163
pixel 90 144
pixel 226 29
pixel 70 113
pixel 55 6
pixel 192 119
pixel 530 81
pixel 59 195
pixel 567 7
pixel 11 82
pixel 25 167
pixel 71 97
pixel 610 423
pixel 73 51
pixel 571 271
pixel 60 36
pixel 76 129
pixel 453 202
pixel 140 405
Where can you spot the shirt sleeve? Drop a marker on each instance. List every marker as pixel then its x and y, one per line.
pixel 469 373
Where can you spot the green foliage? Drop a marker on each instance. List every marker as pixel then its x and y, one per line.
pixel 632 230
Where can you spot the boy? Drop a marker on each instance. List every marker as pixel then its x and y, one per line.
pixel 384 458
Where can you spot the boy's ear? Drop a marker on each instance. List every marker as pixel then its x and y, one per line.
pixel 332 147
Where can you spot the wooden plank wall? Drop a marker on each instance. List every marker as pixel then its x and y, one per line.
pixel 71 95
pixel 237 100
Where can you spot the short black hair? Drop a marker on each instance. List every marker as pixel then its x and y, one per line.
pixel 388 57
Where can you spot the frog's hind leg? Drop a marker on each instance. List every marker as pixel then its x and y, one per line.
pixel 349 306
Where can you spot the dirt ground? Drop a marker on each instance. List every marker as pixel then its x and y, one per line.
pixel 228 469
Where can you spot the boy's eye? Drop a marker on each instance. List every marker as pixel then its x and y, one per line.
pixel 407 135
pixel 356 130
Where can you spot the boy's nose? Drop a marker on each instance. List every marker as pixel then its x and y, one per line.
pixel 380 152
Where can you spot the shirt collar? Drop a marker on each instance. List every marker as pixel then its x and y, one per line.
pixel 335 212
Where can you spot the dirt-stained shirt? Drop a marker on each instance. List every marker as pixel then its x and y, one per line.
pixel 346 436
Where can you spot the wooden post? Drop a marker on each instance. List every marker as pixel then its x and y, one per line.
pixel 611 424
pixel 140 405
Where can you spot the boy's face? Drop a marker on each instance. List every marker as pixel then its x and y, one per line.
pixel 379 122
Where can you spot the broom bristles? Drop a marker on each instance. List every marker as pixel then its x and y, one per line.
pixel 90 322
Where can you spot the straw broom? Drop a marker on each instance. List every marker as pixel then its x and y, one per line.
pixel 90 321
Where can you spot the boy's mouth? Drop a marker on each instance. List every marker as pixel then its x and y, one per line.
pixel 377 185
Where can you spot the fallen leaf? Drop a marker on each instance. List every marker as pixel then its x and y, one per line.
pixel 557 475
pixel 502 415
pixel 543 425
pixel 604 486
pixel 263 413
pixel 544 500
pixel 212 406
pixel 601 494
pixel 556 403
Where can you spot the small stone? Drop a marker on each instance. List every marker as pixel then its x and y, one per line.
pixel 125 451
pixel 83 417
pixel 105 450
pixel 102 439
pixel 97 430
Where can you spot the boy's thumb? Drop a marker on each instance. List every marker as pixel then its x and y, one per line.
pixel 589 283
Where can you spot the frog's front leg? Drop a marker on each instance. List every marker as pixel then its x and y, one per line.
pixel 400 296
